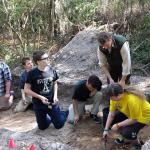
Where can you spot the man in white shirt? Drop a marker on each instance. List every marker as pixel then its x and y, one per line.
pixel 114 57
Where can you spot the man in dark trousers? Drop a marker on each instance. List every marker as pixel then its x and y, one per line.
pixel 114 57
pixel 41 84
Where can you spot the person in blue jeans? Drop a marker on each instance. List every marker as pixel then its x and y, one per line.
pixel 41 84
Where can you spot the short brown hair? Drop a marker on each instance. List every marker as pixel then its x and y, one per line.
pixel 37 55
pixel 24 59
pixel 103 37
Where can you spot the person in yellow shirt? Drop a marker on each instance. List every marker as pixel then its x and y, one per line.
pixel 129 112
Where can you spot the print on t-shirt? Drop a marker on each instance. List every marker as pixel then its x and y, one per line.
pixel 47 82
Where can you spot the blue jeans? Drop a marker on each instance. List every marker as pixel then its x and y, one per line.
pixel 46 116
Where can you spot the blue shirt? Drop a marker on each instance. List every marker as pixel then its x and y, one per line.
pixel 23 79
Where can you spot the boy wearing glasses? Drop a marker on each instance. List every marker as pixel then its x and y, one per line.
pixel 41 84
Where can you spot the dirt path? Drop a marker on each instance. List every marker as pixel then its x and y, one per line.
pixel 85 136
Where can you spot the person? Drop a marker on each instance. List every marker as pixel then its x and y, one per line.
pixel 26 100
pixel 129 113
pixel 6 94
pixel 114 57
pixel 86 92
pixel 41 84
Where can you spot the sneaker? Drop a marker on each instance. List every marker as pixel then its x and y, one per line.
pixel 119 141
pixel 96 119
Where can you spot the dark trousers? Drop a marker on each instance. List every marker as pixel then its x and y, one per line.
pixel 129 132
pixel 46 116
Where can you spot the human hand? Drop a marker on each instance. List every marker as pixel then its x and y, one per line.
pixel 7 95
pixel 55 101
pixel 76 119
pixel 115 127
pixel 44 100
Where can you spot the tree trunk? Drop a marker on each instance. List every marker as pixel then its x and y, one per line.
pixel 64 23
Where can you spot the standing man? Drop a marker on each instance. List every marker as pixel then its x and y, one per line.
pixel 26 100
pixel 41 84
pixel 114 57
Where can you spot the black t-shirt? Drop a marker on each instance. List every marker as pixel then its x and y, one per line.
pixel 81 92
pixel 42 83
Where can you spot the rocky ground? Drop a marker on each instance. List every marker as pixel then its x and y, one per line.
pixel 86 135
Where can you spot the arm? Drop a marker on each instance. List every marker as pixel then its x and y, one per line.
pixel 7 88
pixel 127 122
pixel 23 96
pixel 75 107
pixel 22 83
pixel 110 118
pixel 7 78
pixel 55 92
pixel 103 64
pixel 27 89
pixel 126 65
pixel 105 69
pixel 76 113
pixel 124 123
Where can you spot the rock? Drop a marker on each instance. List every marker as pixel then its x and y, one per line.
pixel 146 146
pixel 78 59
pixel 24 140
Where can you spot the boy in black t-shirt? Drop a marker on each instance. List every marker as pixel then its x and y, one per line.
pixel 41 84
pixel 86 92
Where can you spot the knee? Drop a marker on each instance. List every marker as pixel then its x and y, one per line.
pixel 129 135
pixel 59 125
pixel 43 126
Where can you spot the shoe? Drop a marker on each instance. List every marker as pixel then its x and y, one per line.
pixel 96 119
pixel 119 141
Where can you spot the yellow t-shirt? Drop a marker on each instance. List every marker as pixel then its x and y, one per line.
pixel 133 107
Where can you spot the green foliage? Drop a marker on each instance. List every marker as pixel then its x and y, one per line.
pixel 25 24
pixel 141 40
pixel 80 11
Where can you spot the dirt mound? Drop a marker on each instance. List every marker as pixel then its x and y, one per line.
pixel 78 59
